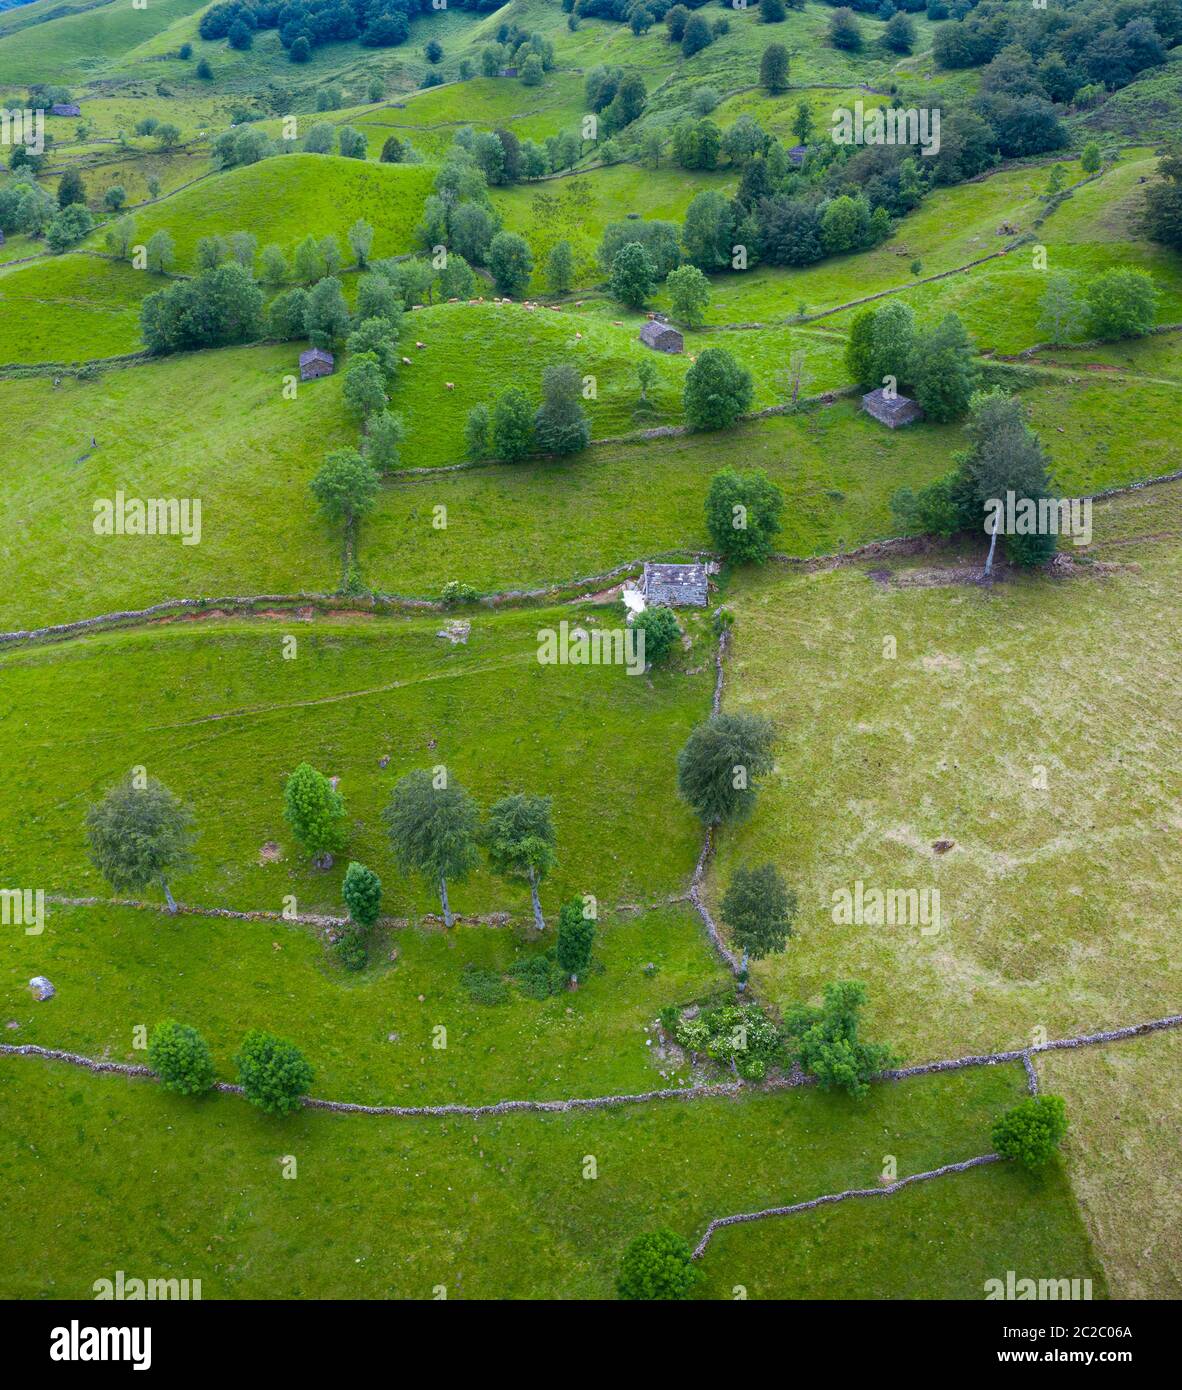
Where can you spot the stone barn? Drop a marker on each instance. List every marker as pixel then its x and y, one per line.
pixel 661 337
pixel 675 586
pixel 314 363
pixel 893 412
pixel 65 108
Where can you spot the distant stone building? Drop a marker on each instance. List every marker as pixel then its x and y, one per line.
pixel 797 153
pixel 675 586
pixel 314 363
pixel 65 108
pixel 508 72
pixel 900 410
pixel 661 337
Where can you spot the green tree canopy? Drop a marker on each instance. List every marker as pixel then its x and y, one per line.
pixel 432 823
pixel 519 838
pixel 140 833
pixel 721 763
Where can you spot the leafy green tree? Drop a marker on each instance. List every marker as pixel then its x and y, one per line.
pixel 432 823
pixel 1089 160
pixel 315 811
pixel 512 426
pixel 180 1057
pixel 287 317
pixel 121 237
pixel 844 31
pixel 632 275
pixel 1161 216
pixel 167 135
pixel 743 515
pixel 384 433
pixel 689 294
pixel 1062 314
pixel 658 1265
pixel 531 71
pixel 646 377
pixel 456 279
pixel 114 197
pixel 511 262
pixel 759 908
pixel 345 487
pixel 219 307
pixel 373 338
pixel 272 1072
pixel 308 261
pixel 364 390
pixel 319 138
pixel 772 11
pixel 717 390
pixel 478 433
pixel 1031 1131
pixel 361 241
pixel 351 142
pixel 160 252
pixel 899 34
pixel 802 123
pixel 1122 303
pixel 1004 455
pixel 826 1044
pixel 773 66
pixel 576 939
pixel 560 268
pixel 362 892
pixel 520 839
pixel 328 318
pixel 720 764
pixel 68 227
pixel 943 372
pixel 140 834
pixel 661 632
pixel 561 425
pixel 71 189
pixel 696 37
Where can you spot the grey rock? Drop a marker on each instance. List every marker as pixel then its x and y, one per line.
pixel 41 988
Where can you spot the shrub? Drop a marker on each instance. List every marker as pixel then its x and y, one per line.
pixel 743 515
pixel 180 1056
pixel 717 390
pixel 658 1265
pixel 351 951
pixel 273 1072
pixel 1122 303
pixel 314 810
pixel 576 938
pixel 1030 1132
pixel 484 986
pixel 362 892
pixel 661 632
pixel 454 592
pixel 827 1045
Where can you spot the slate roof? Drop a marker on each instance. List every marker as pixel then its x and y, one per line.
pixel 902 410
pixel 661 336
pixel 65 108
pixel 675 586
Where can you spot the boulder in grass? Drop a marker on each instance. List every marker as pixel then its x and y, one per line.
pixel 41 988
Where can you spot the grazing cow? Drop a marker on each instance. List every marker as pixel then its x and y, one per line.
pixel 406 361
pixel 420 345
pixel 451 386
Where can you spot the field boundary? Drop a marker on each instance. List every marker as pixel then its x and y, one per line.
pixel 830 1197
pixel 790 1081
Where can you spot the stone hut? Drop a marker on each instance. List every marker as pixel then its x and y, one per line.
pixel 675 586
pixel 661 337
pixel 314 363
pixel 892 412
pixel 65 108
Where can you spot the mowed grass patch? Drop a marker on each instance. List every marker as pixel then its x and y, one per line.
pixel 511 526
pixel 219 715
pixel 1124 1137
pixel 285 198
pixel 495 1207
pixel 70 309
pixel 1056 906
pixel 372 1037
pixel 941 1239
pixel 212 426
